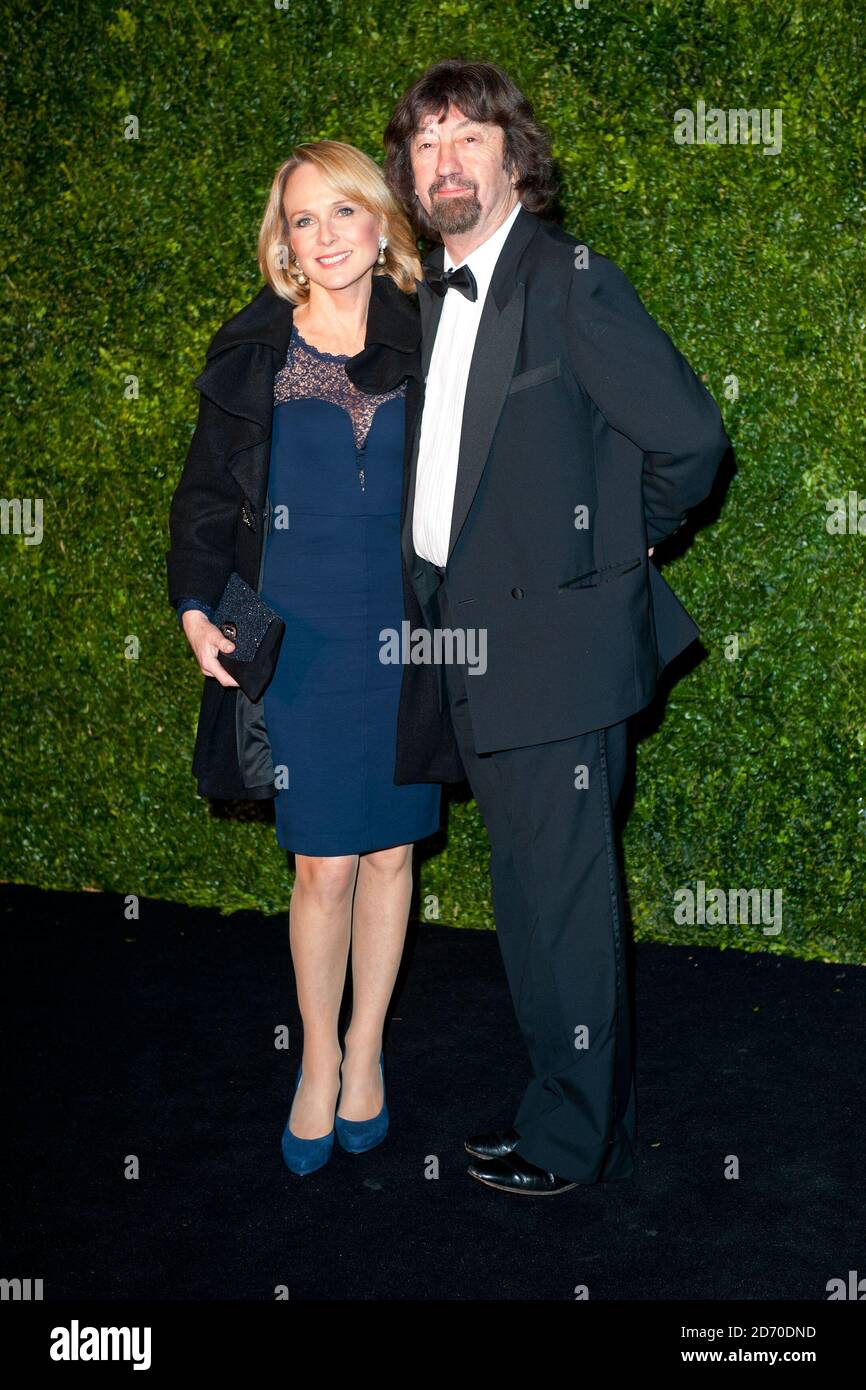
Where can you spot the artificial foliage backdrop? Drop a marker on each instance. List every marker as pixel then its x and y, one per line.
pixel 121 257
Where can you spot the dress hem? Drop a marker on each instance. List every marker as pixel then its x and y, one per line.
pixel 390 843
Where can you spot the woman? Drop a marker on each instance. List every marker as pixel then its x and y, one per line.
pixel 294 480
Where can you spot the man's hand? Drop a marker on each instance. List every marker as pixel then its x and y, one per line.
pixel 206 641
pixel 651 549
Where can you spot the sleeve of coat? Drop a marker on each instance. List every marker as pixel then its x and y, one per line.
pixel 646 390
pixel 203 514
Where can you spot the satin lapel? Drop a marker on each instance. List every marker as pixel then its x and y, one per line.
pixel 424 578
pixel 430 305
pixel 490 374
pixel 411 466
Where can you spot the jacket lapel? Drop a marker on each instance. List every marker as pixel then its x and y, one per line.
pixel 431 309
pixel 490 373
pixel 423 576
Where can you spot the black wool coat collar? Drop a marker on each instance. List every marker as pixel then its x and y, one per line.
pixel 391 349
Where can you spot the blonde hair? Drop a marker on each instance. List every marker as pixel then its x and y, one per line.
pixel 353 175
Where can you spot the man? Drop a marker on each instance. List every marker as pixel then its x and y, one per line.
pixel 561 436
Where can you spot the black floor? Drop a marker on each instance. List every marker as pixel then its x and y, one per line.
pixel 156 1039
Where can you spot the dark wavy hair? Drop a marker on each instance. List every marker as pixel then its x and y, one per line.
pixel 484 92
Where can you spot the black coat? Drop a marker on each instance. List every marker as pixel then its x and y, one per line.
pixel 215 520
pixel 575 398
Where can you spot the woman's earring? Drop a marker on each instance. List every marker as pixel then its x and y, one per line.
pixel 383 242
pixel 299 275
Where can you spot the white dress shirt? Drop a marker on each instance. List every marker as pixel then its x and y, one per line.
pixel 444 395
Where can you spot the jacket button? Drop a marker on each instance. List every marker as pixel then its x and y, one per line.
pixel 517 593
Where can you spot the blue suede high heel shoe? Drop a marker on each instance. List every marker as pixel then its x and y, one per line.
pixel 304 1156
pixel 357 1136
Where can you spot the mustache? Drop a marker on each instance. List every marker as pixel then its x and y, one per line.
pixel 445 183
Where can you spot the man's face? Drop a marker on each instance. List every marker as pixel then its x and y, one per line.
pixel 458 169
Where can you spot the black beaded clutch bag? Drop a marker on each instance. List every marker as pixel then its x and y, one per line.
pixel 257 632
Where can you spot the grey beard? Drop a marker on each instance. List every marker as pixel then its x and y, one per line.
pixel 455 215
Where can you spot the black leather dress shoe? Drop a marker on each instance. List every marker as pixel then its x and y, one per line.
pixel 497 1144
pixel 516 1174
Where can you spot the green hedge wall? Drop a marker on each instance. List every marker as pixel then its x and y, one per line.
pixel 122 257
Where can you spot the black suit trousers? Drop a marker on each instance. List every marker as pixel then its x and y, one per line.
pixel 558 902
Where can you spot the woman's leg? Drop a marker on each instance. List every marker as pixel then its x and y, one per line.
pixel 320 926
pixel 381 913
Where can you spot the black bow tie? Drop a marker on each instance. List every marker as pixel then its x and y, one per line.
pixel 460 278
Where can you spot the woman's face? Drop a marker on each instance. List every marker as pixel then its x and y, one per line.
pixel 336 240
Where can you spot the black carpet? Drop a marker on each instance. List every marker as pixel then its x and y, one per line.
pixel 155 1039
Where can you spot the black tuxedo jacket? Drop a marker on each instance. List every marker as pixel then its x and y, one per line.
pixel 578 409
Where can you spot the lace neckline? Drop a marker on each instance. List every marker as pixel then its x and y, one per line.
pixel 317 352
pixel 310 373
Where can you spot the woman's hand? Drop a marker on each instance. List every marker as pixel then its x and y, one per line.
pixel 207 641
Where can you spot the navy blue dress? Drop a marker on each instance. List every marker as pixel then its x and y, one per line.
pixel 332 570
